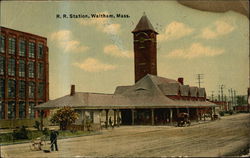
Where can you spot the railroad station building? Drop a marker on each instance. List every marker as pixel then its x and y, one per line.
pixel 152 100
pixel 24 77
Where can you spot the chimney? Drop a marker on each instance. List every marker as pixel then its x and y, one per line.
pixel 72 90
pixel 180 80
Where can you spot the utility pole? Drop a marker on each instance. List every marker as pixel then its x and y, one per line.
pixel 219 95
pixel 234 97
pixel 221 91
pixel 200 77
pixel 212 95
pixel 230 91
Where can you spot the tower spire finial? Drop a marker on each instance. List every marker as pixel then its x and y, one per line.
pixel 144 25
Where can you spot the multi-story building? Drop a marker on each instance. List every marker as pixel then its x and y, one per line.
pixel 23 73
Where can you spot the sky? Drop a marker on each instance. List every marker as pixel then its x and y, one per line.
pixel 96 54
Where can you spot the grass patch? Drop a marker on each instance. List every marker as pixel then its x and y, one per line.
pixel 8 138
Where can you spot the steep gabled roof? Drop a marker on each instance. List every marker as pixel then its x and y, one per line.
pixel 144 87
pixel 170 88
pixel 184 90
pixel 161 80
pixel 202 92
pixel 144 25
pixel 121 89
pixel 193 91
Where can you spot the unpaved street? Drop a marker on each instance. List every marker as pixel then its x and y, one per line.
pixel 216 138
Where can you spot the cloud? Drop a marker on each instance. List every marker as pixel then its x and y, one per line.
pixel 175 30
pixel 64 40
pixel 94 65
pixel 112 28
pixel 114 50
pixel 101 24
pixel 194 51
pixel 218 28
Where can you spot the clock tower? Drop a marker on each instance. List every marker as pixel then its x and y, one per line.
pixel 144 49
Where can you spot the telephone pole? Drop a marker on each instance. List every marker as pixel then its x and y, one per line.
pixel 234 93
pixel 212 95
pixel 230 91
pixel 200 77
pixel 221 91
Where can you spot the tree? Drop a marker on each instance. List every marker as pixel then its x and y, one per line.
pixel 65 117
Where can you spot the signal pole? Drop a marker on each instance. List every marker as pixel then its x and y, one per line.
pixel 199 78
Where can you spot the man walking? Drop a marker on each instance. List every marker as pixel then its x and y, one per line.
pixel 53 140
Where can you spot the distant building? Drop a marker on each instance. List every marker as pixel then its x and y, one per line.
pixel 151 100
pixel 24 77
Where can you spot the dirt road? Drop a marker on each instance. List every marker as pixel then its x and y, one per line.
pixel 216 138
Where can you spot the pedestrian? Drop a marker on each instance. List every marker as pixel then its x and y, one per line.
pixel 110 122
pixel 53 140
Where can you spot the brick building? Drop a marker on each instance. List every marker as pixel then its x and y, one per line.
pixel 24 78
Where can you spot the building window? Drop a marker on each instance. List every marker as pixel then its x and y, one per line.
pixel 31 50
pixel 22 89
pixel 31 69
pixel 31 89
pixel 11 88
pixel 21 109
pixel 2 65
pixel 41 90
pixel 1 109
pixel 11 67
pixel 31 109
pixel 22 50
pixel 40 51
pixel 2 44
pixel 2 90
pixel 11 109
pixel 40 70
pixel 12 45
pixel 21 68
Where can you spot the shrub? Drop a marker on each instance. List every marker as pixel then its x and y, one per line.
pixel 6 137
pixel 21 133
pixel 65 117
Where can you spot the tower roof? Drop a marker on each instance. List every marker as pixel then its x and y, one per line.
pixel 144 25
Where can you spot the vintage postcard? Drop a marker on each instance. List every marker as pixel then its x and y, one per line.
pixel 124 78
